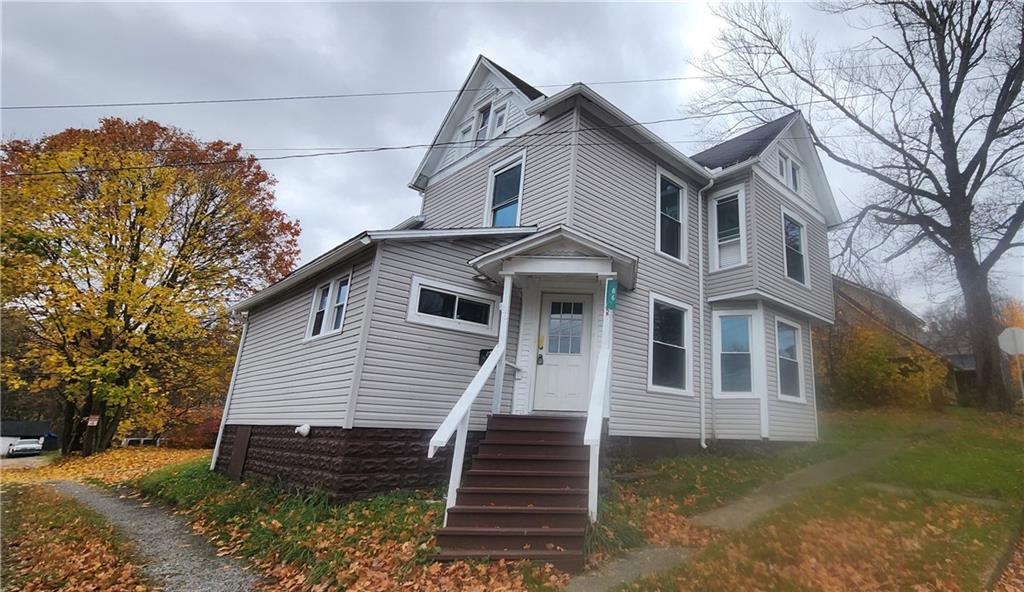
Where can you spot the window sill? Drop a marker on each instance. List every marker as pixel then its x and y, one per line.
pixel 741 396
pixel 730 268
pixel 678 261
pixel 314 338
pixel 667 390
pixel 450 325
pixel 805 286
pixel 792 399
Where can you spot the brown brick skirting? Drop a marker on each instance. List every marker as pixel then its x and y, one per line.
pixel 346 464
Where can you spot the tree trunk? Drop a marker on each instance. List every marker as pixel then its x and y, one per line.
pixel 68 433
pixel 981 319
pixel 110 427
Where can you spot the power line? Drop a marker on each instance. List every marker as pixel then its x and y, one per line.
pixel 354 95
pixel 374 149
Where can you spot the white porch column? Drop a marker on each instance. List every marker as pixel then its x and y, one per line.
pixel 607 332
pixel 499 373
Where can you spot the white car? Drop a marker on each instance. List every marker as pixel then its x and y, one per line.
pixel 25 447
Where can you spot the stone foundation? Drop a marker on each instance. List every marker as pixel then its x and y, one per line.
pixel 345 464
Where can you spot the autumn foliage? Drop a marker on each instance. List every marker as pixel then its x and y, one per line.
pixel 868 367
pixel 121 246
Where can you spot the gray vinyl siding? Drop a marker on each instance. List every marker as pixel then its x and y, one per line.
pixel 735 279
pixel 284 378
pixel 728 419
pixel 413 374
pixel 770 252
pixel 459 200
pixel 615 200
pixel 789 420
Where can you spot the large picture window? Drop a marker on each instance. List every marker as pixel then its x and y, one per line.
pixel 671 233
pixel 669 347
pixel 328 312
pixel 505 190
pixel 728 230
pixel 788 349
pixel 444 305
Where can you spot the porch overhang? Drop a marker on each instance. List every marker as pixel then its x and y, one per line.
pixel 561 252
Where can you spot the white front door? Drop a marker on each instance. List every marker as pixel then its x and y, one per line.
pixel 563 361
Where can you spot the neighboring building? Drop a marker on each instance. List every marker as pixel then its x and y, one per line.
pixel 859 305
pixel 539 214
pixel 11 432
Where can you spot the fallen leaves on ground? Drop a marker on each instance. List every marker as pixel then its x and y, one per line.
pixel 666 527
pixel 53 543
pixel 111 467
pixel 306 543
pixel 851 539
pixel 1012 579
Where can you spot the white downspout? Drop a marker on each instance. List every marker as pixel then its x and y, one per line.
pixel 701 211
pixel 231 391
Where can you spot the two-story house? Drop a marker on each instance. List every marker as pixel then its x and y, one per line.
pixel 571 280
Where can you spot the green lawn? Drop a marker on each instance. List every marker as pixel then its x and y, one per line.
pixel 849 535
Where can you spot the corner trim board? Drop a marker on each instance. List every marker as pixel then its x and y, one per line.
pixel 364 337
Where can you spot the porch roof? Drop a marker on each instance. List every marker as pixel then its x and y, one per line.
pixel 574 247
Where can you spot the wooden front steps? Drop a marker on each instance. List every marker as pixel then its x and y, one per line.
pixel 524 495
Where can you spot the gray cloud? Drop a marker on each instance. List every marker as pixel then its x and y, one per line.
pixel 72 53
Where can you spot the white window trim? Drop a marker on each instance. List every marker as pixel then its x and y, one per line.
pixel 495 131
pixel 787 177
pixel 757 354
pixel 326 329
pixel 740 192
pixel 684 222
pixel 783 161
pixel 786 212
pixel 687 343
pixel 413 315
pixel 499 167
pixel 780 320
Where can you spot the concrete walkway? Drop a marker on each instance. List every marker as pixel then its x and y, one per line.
pixel 176 559
pixel 737 515
pixel 744 511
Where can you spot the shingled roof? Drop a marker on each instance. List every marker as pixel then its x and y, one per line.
pixel 744 146
pixel 530 92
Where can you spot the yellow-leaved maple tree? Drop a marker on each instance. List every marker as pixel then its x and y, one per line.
pixel 121 246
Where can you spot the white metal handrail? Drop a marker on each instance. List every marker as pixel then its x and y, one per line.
pixel 457 422
pixel 596 411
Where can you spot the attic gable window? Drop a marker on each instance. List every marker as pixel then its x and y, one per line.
pixel 327 315
pixel 671 231
pixel 504 191
pixel 483 122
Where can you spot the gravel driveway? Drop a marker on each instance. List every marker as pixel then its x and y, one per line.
pixel 176 559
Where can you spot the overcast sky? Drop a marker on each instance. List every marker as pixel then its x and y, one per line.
pixel 87 53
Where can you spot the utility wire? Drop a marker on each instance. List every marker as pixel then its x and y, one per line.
pixel 374 149
pixel 354 95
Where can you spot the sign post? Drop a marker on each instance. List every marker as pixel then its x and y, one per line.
pixel 1011 341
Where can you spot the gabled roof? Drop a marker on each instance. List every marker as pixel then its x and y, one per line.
pixel 744 146
pixel 512 81
pixel 623 263
pixel 530 92
pixel 363 241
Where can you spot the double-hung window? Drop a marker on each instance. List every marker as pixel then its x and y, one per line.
pixel 734 348
pixel 505 189
pixel 483 123
pixel 499 120
pixel 668 359
pixel 328 312
pixel 440 304
pixel 789 171
pixel 728 230
pixel 788 350
pixel 794 177
pixel 671 233
pixel 794 233
pixel 783 166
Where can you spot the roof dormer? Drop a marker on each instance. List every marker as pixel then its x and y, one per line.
pixel 491 103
